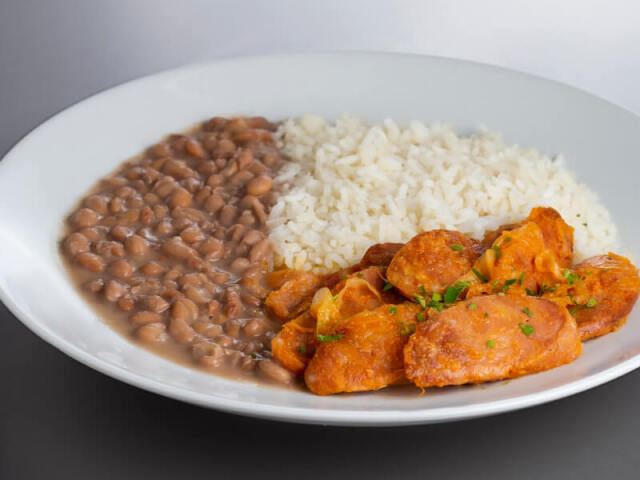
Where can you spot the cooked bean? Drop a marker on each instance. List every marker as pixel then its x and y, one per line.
pixel 119 232
pixel 215 180
pixel 94 286
pixel 116 205
pixel 228 215
pixel 152 333
pixel 260 251
pixel 255 327
pixel 145 316
pixel 90 261
pixel 259 185
pixel 180 330
pixel 165 186
pixel 157 304
pixel 180 198
pixel 209 141
pixel 160 150
pixel 160 211
pixel 223 341
pixel 175 247
pixel 252 237
pixel 136 245
pixel 213 203
pixel 270 159
pixel 97 203
pixel 274 371
pixel 77 243
pixel 194 148
pixel 121 269
pixel 113 290
pixel 207 329
pixel 126 303
pixel 240 264
pixel 225 148
pixel 184 309
pixel 164 228
pixel 213 307
pixel 232 328
pixel 129 217
pixel 242 177
pixel 234 307
pixel 151 198
pixel 85 217
pixel 152 269
pixel 147 217
pixel 247 363
pixel 191 234
pixel 92 233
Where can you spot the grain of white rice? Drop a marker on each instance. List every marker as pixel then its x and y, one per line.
pixel 351 184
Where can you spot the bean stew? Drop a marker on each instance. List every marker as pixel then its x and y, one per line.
pixel 173 247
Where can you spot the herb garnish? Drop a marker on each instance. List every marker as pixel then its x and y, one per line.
pixel 496 249
pixel 329 338
pixel 453 292
pixel 420 317
pixel 507 239
pixel 456 247
pixel 387 286
pixel 491 343
pixel 472 306
pixel 360 275
pixel 592 302
pixel 527 312
pixel 422 290
pixel 302 349
pixel 393 310
pixel 406 330
pixel 481 277
pixel 421 300
pixel 569 276
pixel 526 328
pixel 521 278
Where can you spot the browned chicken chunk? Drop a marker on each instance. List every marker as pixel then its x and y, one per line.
pixel 380 254
pixel 295 344
pixel 431 260
pixel 294 292
pixel 606 290
pixel 491 338
pixel 364 352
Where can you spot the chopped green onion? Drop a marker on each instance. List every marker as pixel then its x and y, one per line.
pixel 422 290
pixel 491 344
pixel 526 328
pixel 453 292
pixel 486 315
pixel 591 303
pixel 521 278
pixel 393 310
pixel 507 239
pixel 420 317
pixel 472 306
pixel 527 312
pixel 436 297
pixel 501 294
pixel 387 286
pixel 496 249
pixel 406 330
pixel 329 338
pixel 302 349
pixel 421 300
pixel 456 247
pixel 360 275
pixel 569 276
pixel 481 277
pixel 334 298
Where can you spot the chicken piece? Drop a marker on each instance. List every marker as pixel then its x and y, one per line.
pixel 557 235
pixel 518 262
pixel 294 294
pixel 491 338
pixel 364 353
pixel 433 260
pixel 354 296
pixel 380 254
pixel 295 344
pixel 604 290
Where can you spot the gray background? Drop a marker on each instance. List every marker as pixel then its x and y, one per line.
pixel 59 419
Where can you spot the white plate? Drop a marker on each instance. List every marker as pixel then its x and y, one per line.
pixel 42 177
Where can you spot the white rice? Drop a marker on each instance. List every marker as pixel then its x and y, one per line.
pixel 352 184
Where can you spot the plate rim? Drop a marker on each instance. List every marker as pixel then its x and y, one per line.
pixel 302 414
